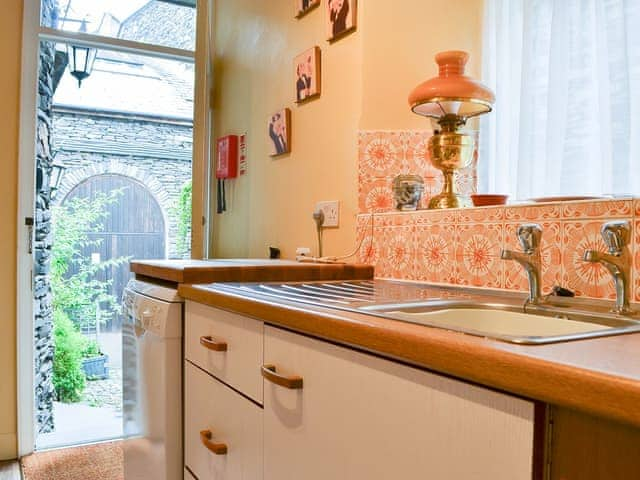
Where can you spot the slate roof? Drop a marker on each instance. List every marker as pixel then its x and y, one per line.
pixel 125 83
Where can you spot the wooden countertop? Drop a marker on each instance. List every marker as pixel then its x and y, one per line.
pixel 599 376
pixel 247 270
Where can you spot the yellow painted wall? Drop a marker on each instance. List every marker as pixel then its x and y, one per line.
pixel 366 80
pixel 400 44
pixel 10 41
pixel 272 205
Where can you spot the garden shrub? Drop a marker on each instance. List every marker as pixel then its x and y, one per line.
pixel 68 377
pixel 80 298
pixel 182 214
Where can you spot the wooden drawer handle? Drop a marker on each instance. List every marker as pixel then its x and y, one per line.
pixel 209 343
pixel 217 448
pixel 269 372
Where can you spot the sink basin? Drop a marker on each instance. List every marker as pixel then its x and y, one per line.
pixel 503 325
pixel 491 318
pixel 487 314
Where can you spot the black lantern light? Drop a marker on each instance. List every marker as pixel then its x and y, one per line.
pixel 81 58
pixel 55 178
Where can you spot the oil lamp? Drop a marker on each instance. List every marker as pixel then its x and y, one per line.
pixel 451 98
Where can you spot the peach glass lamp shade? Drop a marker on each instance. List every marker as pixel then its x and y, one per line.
pixel 451 92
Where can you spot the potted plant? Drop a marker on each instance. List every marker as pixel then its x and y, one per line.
pixel 94 362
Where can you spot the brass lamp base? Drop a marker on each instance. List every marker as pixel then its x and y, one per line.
pixel 450 151
pixel 450 200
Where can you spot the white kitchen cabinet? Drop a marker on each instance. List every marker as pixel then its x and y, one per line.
pixel 358 416
pixel 223 430
pixel 227 345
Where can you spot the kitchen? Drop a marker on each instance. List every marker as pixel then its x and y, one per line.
pixel 272 204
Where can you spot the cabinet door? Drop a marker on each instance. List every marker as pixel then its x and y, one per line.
pixel 238 362
pixel 361 417
pixel 231 419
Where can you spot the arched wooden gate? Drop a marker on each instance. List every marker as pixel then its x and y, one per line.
pixel 135 228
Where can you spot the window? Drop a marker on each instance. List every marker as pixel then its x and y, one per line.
pixel 142 21
pixel 567 114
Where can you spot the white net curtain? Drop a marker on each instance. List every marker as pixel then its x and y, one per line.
pixel 567 79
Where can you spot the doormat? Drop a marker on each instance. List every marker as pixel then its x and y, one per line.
pixel 102 461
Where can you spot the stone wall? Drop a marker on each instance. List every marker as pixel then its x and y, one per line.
pixel 43 308
pixel 162 23
pixel 156 153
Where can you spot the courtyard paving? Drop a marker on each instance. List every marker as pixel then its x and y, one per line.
pixel 98 416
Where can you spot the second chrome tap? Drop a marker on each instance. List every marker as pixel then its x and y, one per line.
pixel 616 236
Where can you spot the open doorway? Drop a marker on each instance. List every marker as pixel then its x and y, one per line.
pixel 114 169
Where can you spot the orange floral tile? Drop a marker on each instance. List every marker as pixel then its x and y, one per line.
pixel 514 275
pixel 435 253
pixel 478 255
pixel 429 217
pixel 416 152
pixel 533 213
pixel 586 279
pixel 597 209
pixel 397 252
pixel 393 219
pixel 375 195
pixel 380 154
pixel 369 251
pixel 636 262
pixel 636 205
pixel 418 162
pixel 491 214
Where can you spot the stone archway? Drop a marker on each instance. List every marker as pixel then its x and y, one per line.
pixel 76 176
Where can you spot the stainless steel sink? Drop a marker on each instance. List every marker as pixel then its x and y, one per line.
pixel 500 316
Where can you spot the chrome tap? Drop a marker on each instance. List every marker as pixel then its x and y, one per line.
pixel 529 236
pixel 616 236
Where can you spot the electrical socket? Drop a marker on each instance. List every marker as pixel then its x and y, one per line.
pixel 331 210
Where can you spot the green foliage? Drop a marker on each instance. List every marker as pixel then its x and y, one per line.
pixel 80 298
pixel 83 297
pixel 68 377
pixel 182 214
pixel 91 349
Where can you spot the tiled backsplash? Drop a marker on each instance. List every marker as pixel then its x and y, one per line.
pixel 462 246
pixel 383 155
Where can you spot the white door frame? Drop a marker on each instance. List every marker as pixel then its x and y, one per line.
pixel 32 33
pixel 26 208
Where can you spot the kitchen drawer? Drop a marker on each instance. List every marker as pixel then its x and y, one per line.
pixel 232 420
pixel 239 365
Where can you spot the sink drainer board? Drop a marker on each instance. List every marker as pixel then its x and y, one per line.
pixel 483 314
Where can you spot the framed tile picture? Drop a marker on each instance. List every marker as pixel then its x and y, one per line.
pixel 341 18
pixel 305 6
pixel 307 74
pixel 279 129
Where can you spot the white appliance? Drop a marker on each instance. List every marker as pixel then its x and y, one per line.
pixel 152 382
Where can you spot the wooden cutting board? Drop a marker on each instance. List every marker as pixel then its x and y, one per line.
pixel 247 270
